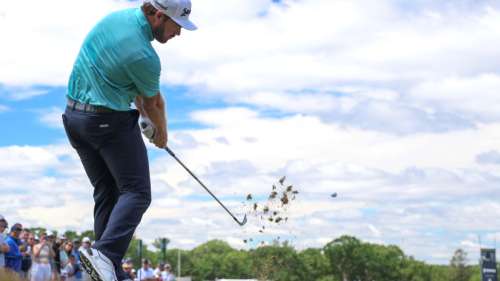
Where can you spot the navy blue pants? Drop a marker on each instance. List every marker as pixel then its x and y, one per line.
pixel 115 159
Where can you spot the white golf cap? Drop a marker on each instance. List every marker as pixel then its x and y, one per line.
pixel 86 240
pixel 177 10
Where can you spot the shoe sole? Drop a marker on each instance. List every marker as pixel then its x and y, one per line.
pixel 89 268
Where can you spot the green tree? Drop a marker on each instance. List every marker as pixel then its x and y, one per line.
pixel 157 243
pixel 440 272
pixel 381 262
pixel 327 278
pixel 89 233
pixel 459 269
pixel 344 255
pixel 37 230
pixel 315 263
pixel 475 273
pixel 237 264
pixel 414 270
pixel 207 260
pixel 277 263
pixel 133 253
pixel 185 260
pixel 351 259
pixel 71 235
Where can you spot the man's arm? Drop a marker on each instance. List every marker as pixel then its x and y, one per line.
pixel 4 248
pixel 154 109
pixel 37 249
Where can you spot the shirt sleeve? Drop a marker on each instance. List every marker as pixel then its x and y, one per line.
pixel 145 74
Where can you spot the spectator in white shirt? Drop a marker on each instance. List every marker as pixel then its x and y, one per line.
pixel 146 272
pixel 159 270
pixel 167 275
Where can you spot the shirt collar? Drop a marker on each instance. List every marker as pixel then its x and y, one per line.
pixel 145 26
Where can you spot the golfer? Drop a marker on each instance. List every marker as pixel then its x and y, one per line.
pixel 116 66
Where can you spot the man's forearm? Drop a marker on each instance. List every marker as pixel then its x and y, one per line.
pixel 4 248
pixel 154 111
pixel 139 104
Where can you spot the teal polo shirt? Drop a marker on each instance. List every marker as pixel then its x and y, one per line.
pixel 116 62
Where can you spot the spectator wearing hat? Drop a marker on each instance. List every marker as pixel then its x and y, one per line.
pixel 167 275
pixel 86 243
pixel 4 247
pixel 159 270
pixel 128 268
pixel 13 257
pixel 76 246
pixel 146 272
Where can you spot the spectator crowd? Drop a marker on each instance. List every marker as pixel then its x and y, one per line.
pixel 44 256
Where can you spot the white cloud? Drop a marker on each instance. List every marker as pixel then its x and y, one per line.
pixel 56 45
pixel 19 93
pixel 51 117
pixel 27 159
pixel 474 97
pixel 489 157
pixel 269 49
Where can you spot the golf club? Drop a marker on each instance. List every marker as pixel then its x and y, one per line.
pixel 241 223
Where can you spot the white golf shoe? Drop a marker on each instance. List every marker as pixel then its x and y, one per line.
pixel 97 265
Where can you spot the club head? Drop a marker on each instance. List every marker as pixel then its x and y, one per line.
pixel 243 222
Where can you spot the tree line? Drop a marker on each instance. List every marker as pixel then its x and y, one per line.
pixel 345 258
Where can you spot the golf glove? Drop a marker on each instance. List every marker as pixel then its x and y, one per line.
pixel 147 128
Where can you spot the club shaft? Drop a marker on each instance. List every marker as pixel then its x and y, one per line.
pixel 196 178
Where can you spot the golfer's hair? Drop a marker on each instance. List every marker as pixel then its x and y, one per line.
pixel 148 9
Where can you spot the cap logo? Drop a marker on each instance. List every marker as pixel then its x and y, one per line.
pixel 185 12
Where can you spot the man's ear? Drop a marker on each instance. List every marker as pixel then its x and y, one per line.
pixel 159 16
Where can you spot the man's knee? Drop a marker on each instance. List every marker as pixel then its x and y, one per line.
pixel 142 200
pixel 147 199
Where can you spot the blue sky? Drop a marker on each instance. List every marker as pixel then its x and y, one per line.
pixel 393 105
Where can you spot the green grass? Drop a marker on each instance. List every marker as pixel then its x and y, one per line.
pixel 8 276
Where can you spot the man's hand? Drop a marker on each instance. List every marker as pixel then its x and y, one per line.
pixel 157 136
pixel 147 128
pixel 153 108
pixel 160 138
